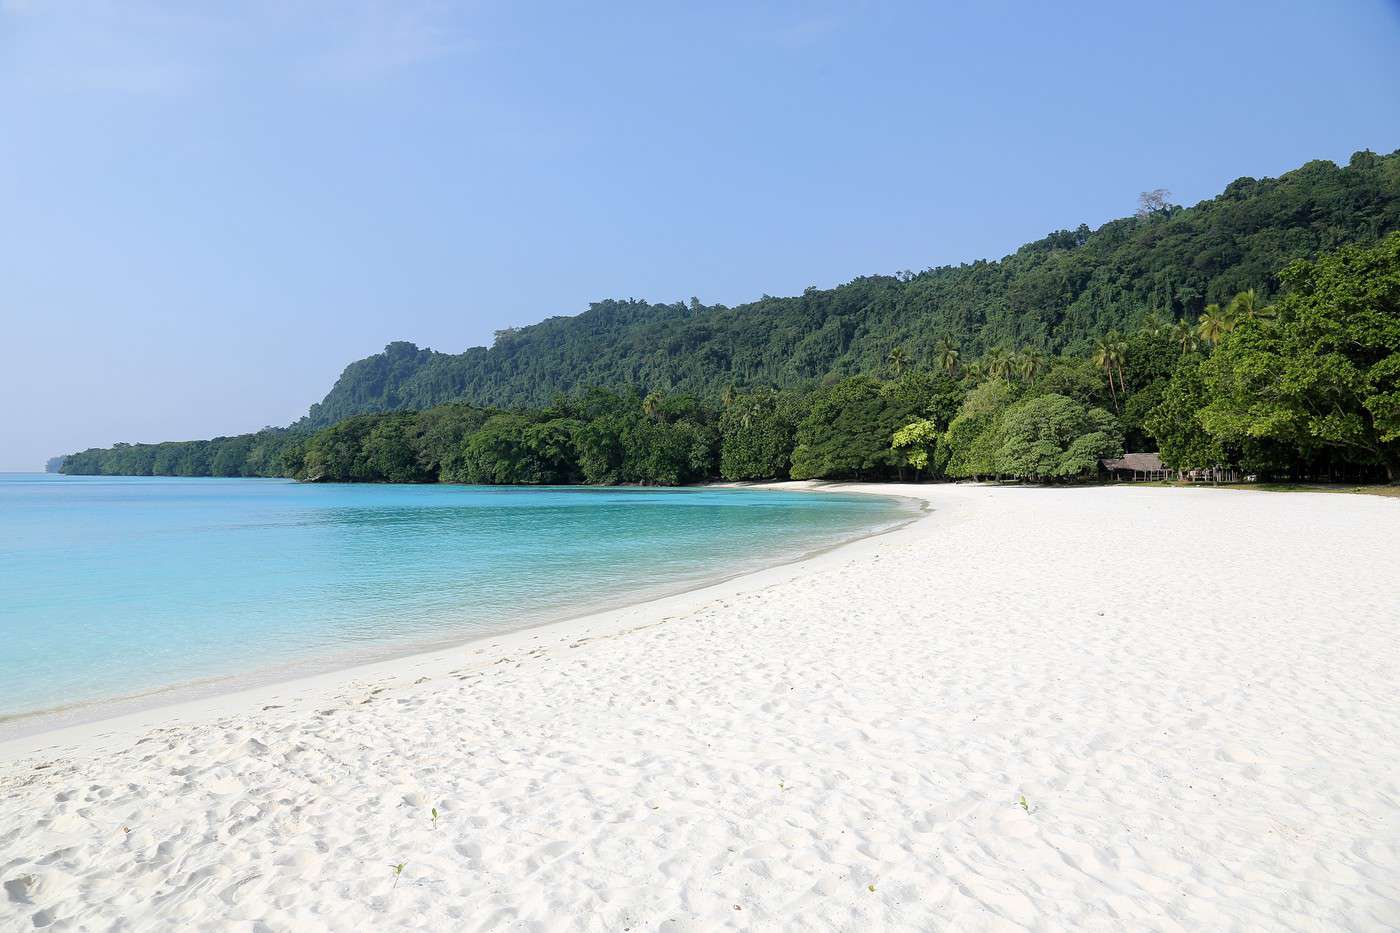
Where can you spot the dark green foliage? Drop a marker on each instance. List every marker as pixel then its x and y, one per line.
pixel 389 452
pixel 757 434
pixel 1076 378
pixel 1321 376
pixel 1059 293
pixel 259 454
pixel 848 430
pixel 1308 387
pixel 1176 425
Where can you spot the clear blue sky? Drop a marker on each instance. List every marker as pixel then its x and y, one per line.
pixel 207 210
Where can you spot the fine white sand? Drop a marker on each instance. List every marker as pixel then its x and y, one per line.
pixel 1196 693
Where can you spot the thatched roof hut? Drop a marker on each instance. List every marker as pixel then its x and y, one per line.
pixel 1137 466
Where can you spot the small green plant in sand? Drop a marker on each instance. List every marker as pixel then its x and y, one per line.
pixel 1023 804
pixel 398 872
pixel 435 817
pixel 871 888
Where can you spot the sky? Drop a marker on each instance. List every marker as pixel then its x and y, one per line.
pixel 207 210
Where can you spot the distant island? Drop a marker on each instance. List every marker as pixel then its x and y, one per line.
pixel 1258 331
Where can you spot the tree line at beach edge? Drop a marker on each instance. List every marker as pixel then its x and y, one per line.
pixel 1304 387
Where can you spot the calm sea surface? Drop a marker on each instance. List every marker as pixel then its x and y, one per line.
pixel 116 587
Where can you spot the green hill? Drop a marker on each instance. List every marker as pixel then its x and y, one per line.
pixel 1057 294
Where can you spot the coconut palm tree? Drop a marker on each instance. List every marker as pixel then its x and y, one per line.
pixel 1153 325
pixel 1106 358
pixel 651 405
pixel 1184 334
pixel 1214 324
pixel 1120 356
pixel 898 360
pixel 729 395
pixel 1246 307
pixel 948 356
pixel 1029 364
pixel 998 363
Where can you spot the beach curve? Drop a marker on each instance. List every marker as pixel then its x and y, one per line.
pixel 1019 713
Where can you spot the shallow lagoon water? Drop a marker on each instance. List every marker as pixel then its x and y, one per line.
pixel 124 586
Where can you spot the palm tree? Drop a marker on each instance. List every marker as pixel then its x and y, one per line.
pixel 1106 358
pixel 1214 324
pixel 1245 307
pixel 651 405
pixel 1153 325
pixel 1120 356
pixel 1029 364
pixel 729 395
pixel 948 356
pixel 1184 334
pixel 997 363
pixel 898 359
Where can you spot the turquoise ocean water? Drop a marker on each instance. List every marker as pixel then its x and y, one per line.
pixel 126 586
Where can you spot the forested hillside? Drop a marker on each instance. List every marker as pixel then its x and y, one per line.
pixel 1305 387
pixel 1056 295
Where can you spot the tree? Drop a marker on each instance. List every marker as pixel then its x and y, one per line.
pixel 1184 335
pixel 757 434
pixel 898 360
pixel 651 405
pixel 847 432
pixel 998 363
pixel 1054 437
pixel 923 445
pixel 1214 324
pixel 387 452
pixel 974 435
pixel 1245 306
pixel 1152 202
pixel 948 356
pixel 1325 375
pixel 1175 422
pixel 1029 364
pixel 1108 352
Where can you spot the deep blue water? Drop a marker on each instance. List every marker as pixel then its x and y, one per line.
pixel 116 586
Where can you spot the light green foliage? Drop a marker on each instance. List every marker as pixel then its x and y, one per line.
pixel 1054 437
pixel 923 446
pixel 974 435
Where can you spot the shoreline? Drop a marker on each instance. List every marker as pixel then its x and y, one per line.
pixel 70 729
pixel 997 718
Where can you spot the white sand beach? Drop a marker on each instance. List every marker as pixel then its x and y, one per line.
pixel 1043 709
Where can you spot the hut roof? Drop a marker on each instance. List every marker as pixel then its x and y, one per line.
pixel 1142 463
